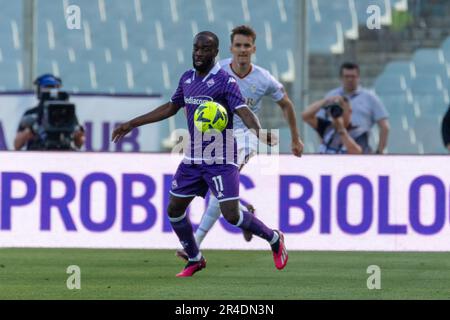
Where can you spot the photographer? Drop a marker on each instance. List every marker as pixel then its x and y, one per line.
pixel 52 124
pixel 338 134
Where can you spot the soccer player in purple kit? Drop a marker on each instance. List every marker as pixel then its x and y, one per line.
pixel 196 174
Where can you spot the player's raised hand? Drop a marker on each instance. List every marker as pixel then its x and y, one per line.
pixel 121 131
pixel 297 147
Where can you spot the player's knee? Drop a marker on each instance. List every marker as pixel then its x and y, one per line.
pixel 230 211
pixel 174 211
pixel 231 217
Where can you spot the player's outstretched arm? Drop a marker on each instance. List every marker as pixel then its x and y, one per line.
pixel 252 122
pixel 162 112
pixel 289 114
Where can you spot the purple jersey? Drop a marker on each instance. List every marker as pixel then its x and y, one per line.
pixel 192 91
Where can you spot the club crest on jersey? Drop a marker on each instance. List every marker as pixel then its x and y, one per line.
pixel 253 88
pixel 188 81
pixel 174 184
pixel 210 83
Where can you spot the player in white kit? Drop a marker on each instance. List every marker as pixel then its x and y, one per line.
pixel 255 83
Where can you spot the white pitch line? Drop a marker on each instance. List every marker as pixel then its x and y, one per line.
pixel 138 9
pixel 159 35
pixel 50 35
pixel 174 11
pixel 1 55
pixel 92 75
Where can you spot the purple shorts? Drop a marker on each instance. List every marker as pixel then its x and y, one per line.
pixel 192 180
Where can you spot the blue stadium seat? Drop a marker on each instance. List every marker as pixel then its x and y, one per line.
pixel 431 103
pixel 401 67
pixel 428 133
pixel 446 49
pixel 441 70
pixel 9 75
pixel 390 83
pixel 398 105
pixel 425 84
pixel 323 36
pixel 400 141
pixel 428 57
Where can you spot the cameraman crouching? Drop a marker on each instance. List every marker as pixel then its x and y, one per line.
pixel 337 133
pixel 52 124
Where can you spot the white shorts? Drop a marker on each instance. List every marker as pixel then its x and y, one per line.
pixel 247 145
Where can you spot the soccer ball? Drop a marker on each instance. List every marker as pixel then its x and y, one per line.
pixel 210 115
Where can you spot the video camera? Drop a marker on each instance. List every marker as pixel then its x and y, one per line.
pixel 58 121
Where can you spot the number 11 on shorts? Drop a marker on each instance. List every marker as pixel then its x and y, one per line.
pixel 218 183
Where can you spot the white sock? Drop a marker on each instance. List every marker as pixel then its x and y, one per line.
pixel 197 258
pixel 275 238
pixel 210 217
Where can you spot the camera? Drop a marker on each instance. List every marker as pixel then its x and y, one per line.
pixel 335 110
pixel 58 121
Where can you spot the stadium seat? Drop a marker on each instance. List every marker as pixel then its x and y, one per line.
pixel 390 83
pixel 428 57
pixel 431 103
pixel 401 67
pixel 10 75
pixel 446 49
pixel 428 133
pixel 426 84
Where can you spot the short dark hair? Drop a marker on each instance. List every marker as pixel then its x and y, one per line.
pixel 348 65
pixel 209 34
pixel 244 30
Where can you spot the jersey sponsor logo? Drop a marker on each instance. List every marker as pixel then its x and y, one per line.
pixel 197 100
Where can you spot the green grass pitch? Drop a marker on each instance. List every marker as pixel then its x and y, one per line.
pixel 150 274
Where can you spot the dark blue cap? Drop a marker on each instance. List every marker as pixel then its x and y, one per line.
pixel 47 80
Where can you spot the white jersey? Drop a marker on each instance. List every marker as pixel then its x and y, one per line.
pixel 254 86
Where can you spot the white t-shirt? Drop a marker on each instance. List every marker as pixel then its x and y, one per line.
pixel 254 86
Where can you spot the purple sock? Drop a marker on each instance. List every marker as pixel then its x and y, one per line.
pixel 183 228
pixel 257 227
